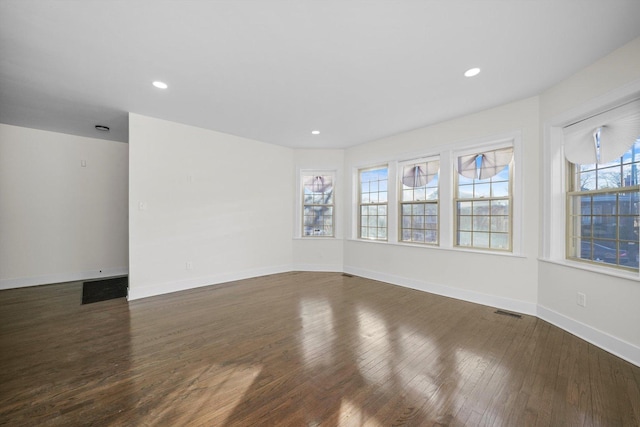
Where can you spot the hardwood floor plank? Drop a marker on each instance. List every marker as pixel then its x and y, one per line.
pixel 298 349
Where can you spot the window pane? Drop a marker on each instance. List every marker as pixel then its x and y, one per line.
pixel 587 181
pixel 420 194
pixel 628 203
pixel 503 175
pixel 605 227
pixel 500 207
pixel 431 236
pixel 481 208
pixel 609 177
pixel 431 193
pixel 464 238
pixel 605 204
pixel 605 251
pixel 465 208
pixel 431 209
pixel 482 190
pixel 586 226
pixel 630 175
pixel 418 209
pixel 500 189
pixel 481 240
pixel 465 191
pixel 500 224
pixel 464 223
pixel 499 241
pixel 481 223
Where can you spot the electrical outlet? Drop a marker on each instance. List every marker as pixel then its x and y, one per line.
pixel 189 265
pixel 582 299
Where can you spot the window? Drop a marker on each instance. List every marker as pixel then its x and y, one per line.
pixel 483 200
pixel 419 201
pixel 603 198
pixel 373 203
pixel 318 205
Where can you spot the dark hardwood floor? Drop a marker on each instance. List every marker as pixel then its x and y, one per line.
pixel 298 349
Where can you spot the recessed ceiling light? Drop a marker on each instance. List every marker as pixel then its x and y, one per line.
pixel 102 128
pixel 160 85
pixel 315 132
pixel 472 72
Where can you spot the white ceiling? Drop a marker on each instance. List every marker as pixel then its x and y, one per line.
pixel 275 70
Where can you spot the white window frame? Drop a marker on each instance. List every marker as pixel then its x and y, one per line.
pixel 299 222
pixel 513 139
pixel 555 180
pixel 359 203
pixel 457 199
pixel 400 202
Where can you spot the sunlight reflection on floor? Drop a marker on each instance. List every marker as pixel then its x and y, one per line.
pixel 317 330
pixel 352 415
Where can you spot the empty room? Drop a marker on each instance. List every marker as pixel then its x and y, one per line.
pixel 320 213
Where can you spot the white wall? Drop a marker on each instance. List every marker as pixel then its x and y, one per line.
pixel 504 281
pixel 611 318
pixel 60 221
pixel 218 201
pixel 319 253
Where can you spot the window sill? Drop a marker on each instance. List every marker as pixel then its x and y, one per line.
pixel 312 238
pixel 607 271
pixel 439 248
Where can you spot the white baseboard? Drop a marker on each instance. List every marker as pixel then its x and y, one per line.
pixel 23 282
pixel 447 291
pixel 613 345
pixel 328 268
pixel 198 282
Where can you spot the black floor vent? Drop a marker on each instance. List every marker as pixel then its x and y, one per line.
pixel 102 290
pixel 506 313
pixel 347 275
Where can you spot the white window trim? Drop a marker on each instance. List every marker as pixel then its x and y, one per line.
pixel 447 154
pixel 555 183
pixel 517 197
pixel 399 169
pixel 391 193
pixel 297 234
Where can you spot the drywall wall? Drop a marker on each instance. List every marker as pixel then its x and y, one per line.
pixel 505 281
pixel 611 316
pixel 205 207
pixel 59 220
pixel 319 253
